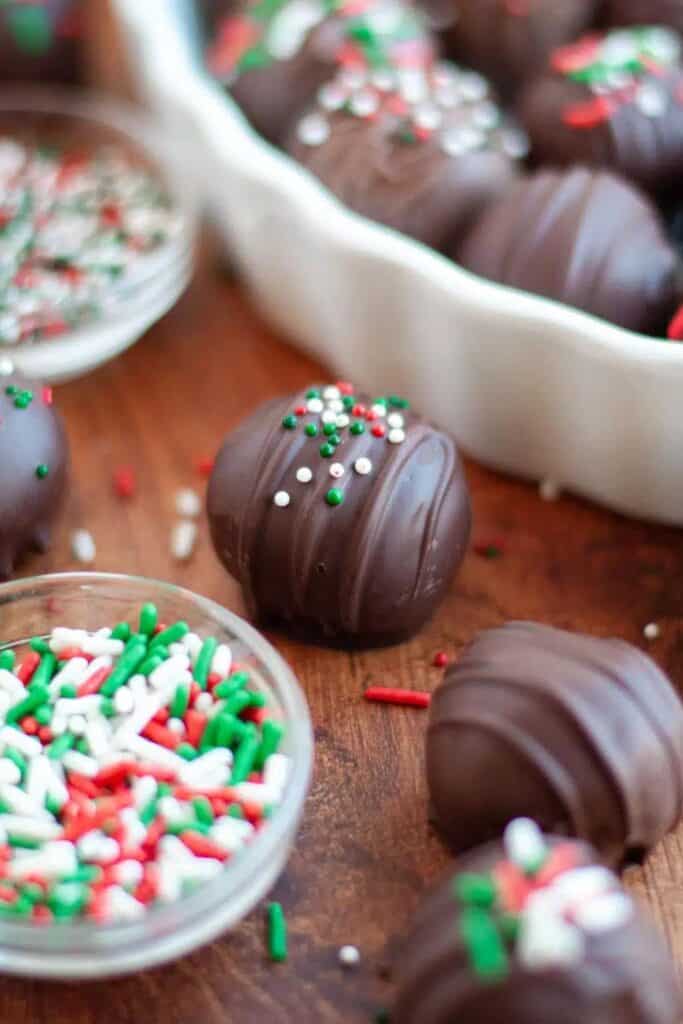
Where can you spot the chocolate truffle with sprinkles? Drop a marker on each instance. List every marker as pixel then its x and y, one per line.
pixel 645 12
pixel 532 930
pixel 581 734
pixel 613 100
pixel 586 238
pixel 344 517
pixel 273 55
pixel 510 40
pixel 421 153
pixel 41 41
pixel 33 467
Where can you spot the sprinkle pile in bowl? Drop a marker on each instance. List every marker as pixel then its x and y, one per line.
pixel 135 762
pixel 77 228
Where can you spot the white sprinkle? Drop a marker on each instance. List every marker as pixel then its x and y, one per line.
pixel 10 773
pixel 313 130
pixel 473 86
pixel 549 941
pixel 203 702
pixel 651 100
pixel 55 859
pixel 349 956
pixel 396 436
pixel 364 104
pixel 331 97
pixel 336 406
pixel 172 810
pixel 315 405
pixel 124 702
pixel 276 773
pixel 6 367
pixel 651 631
pixel 342 421
pixel 122 906
pixel 98 736
pixel 549 490
pixel 525 844
pixel 188 504
pixel 304 475
pixel 428 117
pixel 40 829
pixel 171 672
pixel 83 547
pixel 12 686
pixel 604 913
pixel 183 540
pixel 82 764
pixel 395 419
pixel 101 646
pixel 144 790
pixel 379 409
pixel 329 416
pixel 78 725
pixel 336 470
pixel 62 639
pixel 29 746
pixel 331 392
pixel 129 873
pixel 88 706
pixel 75 672
pixel 363 466
pixel 231 833
pixel 281 499
pixel 221 663
pixel 176 725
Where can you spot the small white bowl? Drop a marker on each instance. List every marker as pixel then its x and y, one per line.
pixel 162 276
pixel 527 385
pixel 81 949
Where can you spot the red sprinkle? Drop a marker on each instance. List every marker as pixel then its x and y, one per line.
pixel 195 723
pixel 300 410
pixel 441 659
pixel 160 734
pixel 378 430
pixel 200 846
pixel 204 465
pixel 28 667
pixel 675 332
pixel 93 683
pixel 387 695
pixel 47 395
pixel 45 734
pixel 83 784
pixel 125 483
pixel 589 114
pixel 41 914
pixel 30 726
pixel 346 387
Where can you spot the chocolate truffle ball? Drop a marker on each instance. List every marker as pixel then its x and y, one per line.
pixel 423 155
pixel 645 12
pixel 529 931
pixel 509 40
pixel 584 735
pixel 582 237
pixel 40 41
pixel 274 61
pixel 343 517
pixel 612 101
pixel 33 467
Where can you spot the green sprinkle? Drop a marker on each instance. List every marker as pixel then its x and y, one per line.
pixel 311 430
pixel 484 944
pixel 334 497
pixel 398 403
pixel 11 390
pixel 23 399
pixel 203 664
pixel 313 393
pixel 348 401
pixel 68 898
pixel 149 812
pixel 31 29
pixel 39 645
pixel 329 429
pixel 203 811
pixel 82 745
pixel 334 439
pixel 150 663
pixel 68 690
pixel 85 873
pixel 277 933
pixel 31 891
pixel 42 471
pixel 271 737
pixel 149 617
pixel 22 843
pixel 245 754
pixel 107 707
pixel 53 805
pixel 509 925
pixel 45 671
pixel 327 450
pixel 290 422
pixel 207 741
pixel 475 890
pixel 7 660
pixel 133 654
pixel 171 635
pixel 235 811
pixel 227 689
pixel 241 676
pixel 186 751
pixel 121 631
pixel 59 747
pixel 257 699
pixel 239 701
pixel 36 696
pixel 43 715
pixel 357 428
pixel 224 730
pixel 181 699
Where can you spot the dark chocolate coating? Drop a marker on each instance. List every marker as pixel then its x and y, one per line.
pixel 645 12
pixel 508 40
pixel 644 148
pixel 28 505
pixel 583 735
pixel 272 95
pixel 366 573
pixel 625 977
pixel 54 57
pixel 585 238
pixel 418 188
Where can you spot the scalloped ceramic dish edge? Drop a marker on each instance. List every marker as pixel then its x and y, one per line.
pixel 527 385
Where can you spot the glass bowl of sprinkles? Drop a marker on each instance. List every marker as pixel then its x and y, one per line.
pixel 155 754
pixel 97 228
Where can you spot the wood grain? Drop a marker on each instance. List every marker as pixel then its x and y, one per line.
pixel 365 852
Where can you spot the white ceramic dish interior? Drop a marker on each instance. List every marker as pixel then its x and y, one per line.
pixel 32 607
pixel 527 385
pixel 168 270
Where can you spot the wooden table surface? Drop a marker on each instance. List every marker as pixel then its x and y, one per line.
pixel 365 852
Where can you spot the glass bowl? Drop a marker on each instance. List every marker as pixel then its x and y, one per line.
pixel 32 607
pixel 160 277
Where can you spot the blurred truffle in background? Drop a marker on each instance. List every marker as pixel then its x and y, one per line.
pixel 42 41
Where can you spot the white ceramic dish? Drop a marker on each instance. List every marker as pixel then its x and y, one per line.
pixel 167 272
pixel 527 385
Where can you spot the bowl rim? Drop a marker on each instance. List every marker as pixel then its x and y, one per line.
pixel 138 128
pixel 296 714
pixel 201 96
